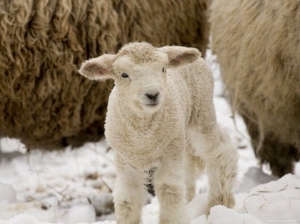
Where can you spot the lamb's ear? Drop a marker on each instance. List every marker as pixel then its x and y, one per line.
pixel 180 55
pixel 99 68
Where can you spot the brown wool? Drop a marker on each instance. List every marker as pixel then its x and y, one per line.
pixel 43 99
pixel 257 43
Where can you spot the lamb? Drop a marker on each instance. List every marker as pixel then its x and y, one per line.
pixel 43 101
pixel 257 46
pixel 161 114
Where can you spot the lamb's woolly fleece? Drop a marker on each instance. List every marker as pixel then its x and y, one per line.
pixel 175 136
pixel 43 100
pixel 257 44
pixel 142 138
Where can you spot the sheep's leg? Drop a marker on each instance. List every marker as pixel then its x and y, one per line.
pixel 190 176
pixel 281 156
pixel 194 166
pixel 220 157
pixel 169 188
pixel 221 166
pixel 129 194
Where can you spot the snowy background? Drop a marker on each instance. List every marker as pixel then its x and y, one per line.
pixel 74 186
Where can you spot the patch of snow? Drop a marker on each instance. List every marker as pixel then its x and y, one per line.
pixel 8 194
pixel 24 219
pixel 9 145
pixel 150 212
pixel 277 201
pixel 50 185
pixel 222 215
pixel 81 213
pixel 197 206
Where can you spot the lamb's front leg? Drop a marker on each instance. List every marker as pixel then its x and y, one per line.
pixel 129 194
pixel 169 188
pixel 189 176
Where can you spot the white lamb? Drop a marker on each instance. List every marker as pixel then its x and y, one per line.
pixel 161 114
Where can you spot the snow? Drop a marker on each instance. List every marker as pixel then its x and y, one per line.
pixel 229 215
pixel 275 201
pixel 75 185
pixel 81 213
pixel 8 194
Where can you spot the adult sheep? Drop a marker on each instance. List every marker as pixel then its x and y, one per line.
pixel 161 114
pixel 43 101
pixel 257 46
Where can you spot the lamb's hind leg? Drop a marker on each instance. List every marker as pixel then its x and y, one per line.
pixel 220 157
pixel 129 194
pixel 194 167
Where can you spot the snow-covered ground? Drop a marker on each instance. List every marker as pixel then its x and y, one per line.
pixel 74 186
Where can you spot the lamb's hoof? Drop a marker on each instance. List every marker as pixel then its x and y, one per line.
pixel 190 194
pixel 175 222
pixel 225 200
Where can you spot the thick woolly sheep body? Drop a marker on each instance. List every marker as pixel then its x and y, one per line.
pixel 43 101
pixel 257 46
pixel 161 114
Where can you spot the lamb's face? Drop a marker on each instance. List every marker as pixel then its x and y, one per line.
pixel 142 85
pixel 139 71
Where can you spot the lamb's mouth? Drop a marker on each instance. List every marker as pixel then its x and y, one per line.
pixel 152 104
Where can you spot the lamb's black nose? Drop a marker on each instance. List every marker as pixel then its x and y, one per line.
pixel 152 97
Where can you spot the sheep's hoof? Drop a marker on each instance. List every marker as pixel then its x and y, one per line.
pixel 177 221
pixel 126 214
pixel 190 193
pixel 225 200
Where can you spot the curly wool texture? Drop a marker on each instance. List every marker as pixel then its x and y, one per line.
pixel 43 100
pixel 189 93
pixel 163 118
pixel 257 44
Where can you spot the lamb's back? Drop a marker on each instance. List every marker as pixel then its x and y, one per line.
pixel 195 82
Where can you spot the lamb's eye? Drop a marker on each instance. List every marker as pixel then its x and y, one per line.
pixel 124 75
pixel 164 69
